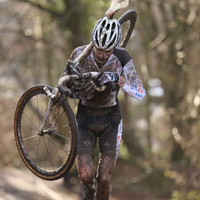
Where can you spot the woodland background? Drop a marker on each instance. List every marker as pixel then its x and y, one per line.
pixel 159 156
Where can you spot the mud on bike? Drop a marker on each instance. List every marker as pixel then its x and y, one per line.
pixel 45 128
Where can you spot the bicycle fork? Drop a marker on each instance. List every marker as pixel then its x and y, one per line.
pixel 47 113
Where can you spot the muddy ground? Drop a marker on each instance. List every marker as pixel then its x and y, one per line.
pixel 16 184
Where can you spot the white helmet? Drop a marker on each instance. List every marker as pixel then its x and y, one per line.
pixel 106 33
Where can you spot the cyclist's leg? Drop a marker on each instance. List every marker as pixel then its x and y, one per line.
pixel 87 174
pixel 109 148
pixel 105 169
pixel 85 162
pixel 85 155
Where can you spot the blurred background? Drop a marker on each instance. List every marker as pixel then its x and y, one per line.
pixel 159 156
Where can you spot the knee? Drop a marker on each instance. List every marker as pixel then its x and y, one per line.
pixel 104 179
pixel 87 172
pixel 106 167
pixel 86 176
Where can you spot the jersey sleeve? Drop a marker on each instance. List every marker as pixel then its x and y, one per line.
pixel 133 84
pixel 74 54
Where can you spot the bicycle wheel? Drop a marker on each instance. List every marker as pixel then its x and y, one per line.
pixel 50 155
pixel 128 18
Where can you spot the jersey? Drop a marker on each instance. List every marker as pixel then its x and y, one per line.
pixel 119 62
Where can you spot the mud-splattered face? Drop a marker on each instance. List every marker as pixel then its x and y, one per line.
pixel 102 56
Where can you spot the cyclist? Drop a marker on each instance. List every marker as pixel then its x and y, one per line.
pixel 98 114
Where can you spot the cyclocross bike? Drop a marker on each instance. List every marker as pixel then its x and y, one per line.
pixel 45 128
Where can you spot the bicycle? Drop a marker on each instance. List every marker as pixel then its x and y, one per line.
pixel 45 128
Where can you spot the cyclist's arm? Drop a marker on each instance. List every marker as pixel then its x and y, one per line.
pixel 131 82
pixel 67 71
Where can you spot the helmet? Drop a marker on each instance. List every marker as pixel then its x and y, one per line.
pixel 106 33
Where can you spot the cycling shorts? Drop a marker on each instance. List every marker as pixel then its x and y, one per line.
pixel 103 123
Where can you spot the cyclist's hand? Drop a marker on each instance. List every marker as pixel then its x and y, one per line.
pixel 107 77
pixel 87 91
pixel 83 89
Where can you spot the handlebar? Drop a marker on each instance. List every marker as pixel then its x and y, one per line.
pixel 87 75
pixel 65 79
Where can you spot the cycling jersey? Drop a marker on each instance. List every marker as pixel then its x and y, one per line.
pixel 121 63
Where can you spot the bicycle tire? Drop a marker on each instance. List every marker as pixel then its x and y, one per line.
pixel 130 16
pixel 48 156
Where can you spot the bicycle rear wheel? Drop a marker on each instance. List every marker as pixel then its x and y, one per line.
pixel 128 18
pixel 50 155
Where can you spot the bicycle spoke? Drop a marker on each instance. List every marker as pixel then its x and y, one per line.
pixel 56 145
pixel 38 110
pixel 29 137
pixel 61 136
pixel 30 121
pixel 29 127
pixel 34 146
pixel 64 126
pixel 37 150
pixel 48 154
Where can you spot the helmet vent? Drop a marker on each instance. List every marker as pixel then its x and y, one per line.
pixel 96 38
pixel 111 43
pixel 103 23
pixel 104 39
pixel 113 26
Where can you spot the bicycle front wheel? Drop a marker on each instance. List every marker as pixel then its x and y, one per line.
pixel 52 154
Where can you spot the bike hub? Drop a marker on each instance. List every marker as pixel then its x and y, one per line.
pixel 45 132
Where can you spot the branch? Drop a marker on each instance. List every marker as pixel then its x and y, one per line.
pixel 49 10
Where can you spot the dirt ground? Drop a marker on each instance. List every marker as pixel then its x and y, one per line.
pixel 16 184
pixel 22 185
